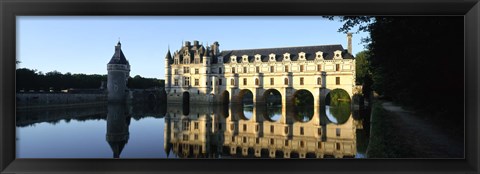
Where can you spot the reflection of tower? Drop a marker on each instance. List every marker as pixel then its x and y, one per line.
pixel 167 133
pixel 118 122
pixel 118 73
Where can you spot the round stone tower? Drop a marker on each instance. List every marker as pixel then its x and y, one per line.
pixel 118 73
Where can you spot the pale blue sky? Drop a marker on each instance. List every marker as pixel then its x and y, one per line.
pixel 85 44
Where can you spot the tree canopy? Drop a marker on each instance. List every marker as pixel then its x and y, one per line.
pixel 416 60
pixel 27 79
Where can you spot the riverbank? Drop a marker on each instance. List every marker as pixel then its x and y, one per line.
pixel 399 133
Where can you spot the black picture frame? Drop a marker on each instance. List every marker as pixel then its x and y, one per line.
pixel 11 8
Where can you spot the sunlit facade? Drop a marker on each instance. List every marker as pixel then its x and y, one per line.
pixel 204 75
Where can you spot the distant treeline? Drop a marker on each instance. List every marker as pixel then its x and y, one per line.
pixel 27 79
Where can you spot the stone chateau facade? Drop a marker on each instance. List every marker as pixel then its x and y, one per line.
pixel 204 74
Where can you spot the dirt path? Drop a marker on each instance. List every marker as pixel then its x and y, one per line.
pixel 422 137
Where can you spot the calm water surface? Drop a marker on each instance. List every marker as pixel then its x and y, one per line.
pixel 145 131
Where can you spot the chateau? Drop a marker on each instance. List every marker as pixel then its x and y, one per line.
pixel 204 74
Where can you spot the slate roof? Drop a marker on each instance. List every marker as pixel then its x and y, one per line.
pixel 118 57
pixel 310 53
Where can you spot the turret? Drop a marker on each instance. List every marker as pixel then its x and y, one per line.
pixel 215 48
pixel 168 70
pixel 118 72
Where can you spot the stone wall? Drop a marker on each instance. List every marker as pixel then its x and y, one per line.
pixel 25 100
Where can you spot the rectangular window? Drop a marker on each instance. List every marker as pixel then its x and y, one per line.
pixel 233 69
pixel 319 67
pixel 244 69
pixel 196 82
pixel 196 70
pixel 337 80
pixel 286 142
pixel 219 81
pixel 271 129
pixel 301 80
pixel 244 81
pixel 286 68
pixel 319 131
pixel 196 125
pixel 337 132
pixel 272 69
pixel 175 71
pixel 301 68
pixel 187 81
pixel 272 81
pixel 196 136
pixel 286 130
pixel 257 140
pixel 175 82
pixel 256 128
pixel 257 69
pixel 244 127
pixel 337 67
pixel 301 131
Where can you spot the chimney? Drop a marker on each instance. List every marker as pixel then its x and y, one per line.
pixel 349 42
pixel 195 42
pixel 187 43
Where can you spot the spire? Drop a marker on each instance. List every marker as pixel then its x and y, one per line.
pixel 118 57
pixel 168 56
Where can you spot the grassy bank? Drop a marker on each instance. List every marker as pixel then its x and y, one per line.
pixel 384 139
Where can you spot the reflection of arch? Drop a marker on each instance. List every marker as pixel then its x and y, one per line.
pixel 272 97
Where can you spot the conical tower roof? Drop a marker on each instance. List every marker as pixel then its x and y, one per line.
pixel 118 57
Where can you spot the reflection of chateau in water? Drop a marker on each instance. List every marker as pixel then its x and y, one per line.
pixel 215 132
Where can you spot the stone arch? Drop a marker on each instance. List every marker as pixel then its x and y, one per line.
pixel 241 96
pixel 338 107
pixel 341 97
pixel 186 98
pixel 225 97
pixel 303 102
pixel 272 97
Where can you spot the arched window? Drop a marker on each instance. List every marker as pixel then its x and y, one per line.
pixel 319 81
pixel 256 82
pixel 286 81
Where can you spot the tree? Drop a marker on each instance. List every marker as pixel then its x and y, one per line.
pixel 416 61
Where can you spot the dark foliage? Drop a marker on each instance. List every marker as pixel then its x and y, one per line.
pixel 416 61
pixel 27 79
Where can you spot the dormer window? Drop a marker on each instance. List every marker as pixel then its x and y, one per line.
pixel 245 58
pixel 257 57
pixel 338 54
pixel 319 55
pixel 233 59
pixel 301 56
pixel 272 57
pixel 286 56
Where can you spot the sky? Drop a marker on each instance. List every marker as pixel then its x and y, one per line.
pixel 85 44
